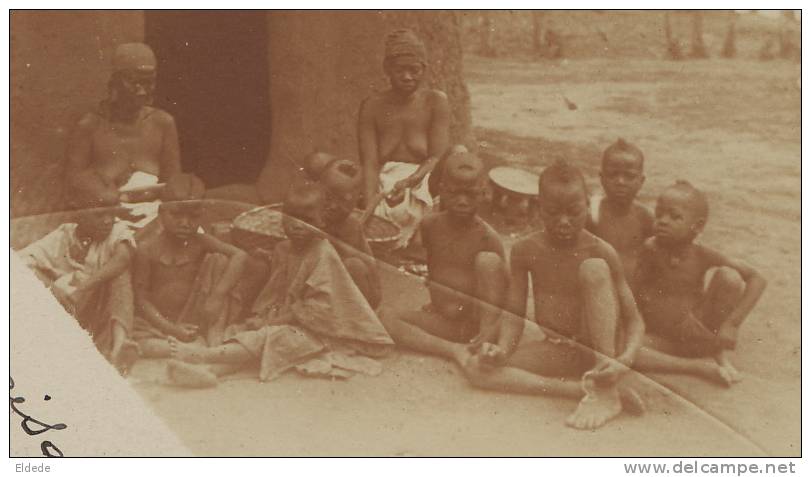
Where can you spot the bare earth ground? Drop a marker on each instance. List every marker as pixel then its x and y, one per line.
pixel 731 127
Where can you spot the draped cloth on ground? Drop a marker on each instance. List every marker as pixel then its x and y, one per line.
pixel 108 302
pixel 417 202
pixel 315 318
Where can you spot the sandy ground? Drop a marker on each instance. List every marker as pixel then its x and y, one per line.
pixel 732 127
pixel 419 406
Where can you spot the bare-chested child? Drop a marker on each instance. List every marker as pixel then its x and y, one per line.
pixel 309 316
pixel 693 298
pixel 580 291
pixel 183 279
pixel 125 134
pixel 617 217
pixel 342 180
pixel 86 265
pixel 402 134
pixel 467 270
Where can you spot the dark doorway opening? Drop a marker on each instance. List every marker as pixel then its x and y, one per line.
pixel 213 78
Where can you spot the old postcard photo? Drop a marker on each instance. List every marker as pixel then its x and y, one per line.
pixel 405 233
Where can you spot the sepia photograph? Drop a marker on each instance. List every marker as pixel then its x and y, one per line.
pixel 405 233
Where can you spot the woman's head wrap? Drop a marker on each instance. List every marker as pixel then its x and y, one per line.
pixel 404 42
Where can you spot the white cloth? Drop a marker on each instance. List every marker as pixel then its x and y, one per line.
pixel 148 209
pixel 51 254
pixel 594 207
pixel 415 205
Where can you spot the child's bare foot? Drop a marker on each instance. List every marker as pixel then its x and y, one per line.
pixel 189 375
pixel 728 371
pixel 461 355
pixel 185 352
pixel 729 375
pixel 723 375
pixel 632 402
pixel 598 406
pixel 125 356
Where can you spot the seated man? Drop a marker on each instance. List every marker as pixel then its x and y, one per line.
pixel 617 217
pixel 310 315
pixel 469 283
pixel 403 132
pixel 184 280
pixel 86 265
pixel 693 298
pixel 342 183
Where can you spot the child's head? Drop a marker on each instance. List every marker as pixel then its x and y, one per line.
pixel 303 213
pixel 563 201
pixel 342 180
pixel 405 60
pixel 621 173
pixel 96 203
pixel 316 163
pixel 681 213
pixel 462 184
pixel 181 209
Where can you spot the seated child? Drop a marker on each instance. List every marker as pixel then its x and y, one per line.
pixel 617 218
pixel 468 281
pixel 467 269
pixel 184 280
pixel 310 315
pixel 86 265
pixel 342 181
pixel 693 298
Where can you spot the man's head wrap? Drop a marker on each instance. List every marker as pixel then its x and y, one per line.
pixel 404 42
pixel 134 56
pixel 182 187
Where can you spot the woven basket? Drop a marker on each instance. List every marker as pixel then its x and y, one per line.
pixel 262 228
pixel 258 228
pixel 381 234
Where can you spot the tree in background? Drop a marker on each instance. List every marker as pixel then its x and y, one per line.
pixel 485 35
pixel 537 33
pixel 698 49
pixel 786 35
pixel 782 41
pixel 673 48
pixel 729 50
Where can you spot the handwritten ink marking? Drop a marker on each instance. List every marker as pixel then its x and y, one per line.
pixel 47 447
